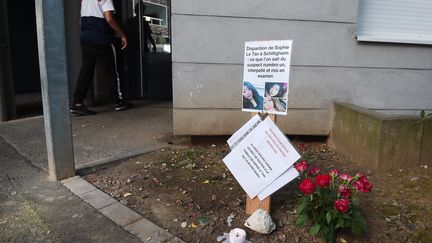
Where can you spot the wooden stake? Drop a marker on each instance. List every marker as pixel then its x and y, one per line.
pixel 252 204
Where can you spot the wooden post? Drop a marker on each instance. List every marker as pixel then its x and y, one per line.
pixel 252 204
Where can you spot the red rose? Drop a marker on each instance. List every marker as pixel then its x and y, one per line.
pixel 363 185
pixel 323 180
pixel 301 166
pixel 344 191
pixel 334 173
pixel 307 186
pixel 345 177
pixel 342 205
pixel 314 171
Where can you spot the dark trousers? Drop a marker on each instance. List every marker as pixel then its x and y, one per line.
pixel 106 57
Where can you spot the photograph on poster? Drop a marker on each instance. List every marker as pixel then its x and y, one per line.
pixel 252 97
pixel 275 98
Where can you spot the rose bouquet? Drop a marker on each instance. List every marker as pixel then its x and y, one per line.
pixel 329 201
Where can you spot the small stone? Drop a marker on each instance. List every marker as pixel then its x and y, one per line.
pixel 183 224
pixel 394 217
pixel 343 240
pixel 281 237
pixel 387 220
pixel 403 228
pixel 75 216
pixel 175 220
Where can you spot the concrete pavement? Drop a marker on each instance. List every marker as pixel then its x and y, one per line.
pixel 105 137
pixel 34 209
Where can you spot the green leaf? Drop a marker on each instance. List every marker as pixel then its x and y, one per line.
pixel 328 217
pixel 340 223
pixel 301 207
pixel 358 224
pixel 314 230
pixel 301 219
pixel 356 229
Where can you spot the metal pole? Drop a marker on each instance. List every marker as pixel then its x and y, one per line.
pixel 54 84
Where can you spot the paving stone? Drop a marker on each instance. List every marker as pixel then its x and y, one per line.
pixel 120 214
pixel 148 231
pixel 79 186
pixel 98 199
pixel 70 179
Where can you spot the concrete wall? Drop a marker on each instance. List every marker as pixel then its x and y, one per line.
pixel 381 141
pixel 327 63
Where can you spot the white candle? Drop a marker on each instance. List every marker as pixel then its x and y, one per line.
pixel 237 236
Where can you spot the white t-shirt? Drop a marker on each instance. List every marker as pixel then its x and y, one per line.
pixel 96 8
pixel 94 27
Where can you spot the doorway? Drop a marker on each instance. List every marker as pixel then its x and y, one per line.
pixel 146 62
pixel 24 60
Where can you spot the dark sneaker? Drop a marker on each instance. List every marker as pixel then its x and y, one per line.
pixel 121 106
pixel 81 110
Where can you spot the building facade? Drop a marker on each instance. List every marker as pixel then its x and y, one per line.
pixel 328 63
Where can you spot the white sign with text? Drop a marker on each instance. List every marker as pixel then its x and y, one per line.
pixel 265 76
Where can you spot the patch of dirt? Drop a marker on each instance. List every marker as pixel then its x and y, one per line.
pixel 190 185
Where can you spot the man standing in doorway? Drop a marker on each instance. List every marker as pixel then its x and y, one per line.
pixel 98 29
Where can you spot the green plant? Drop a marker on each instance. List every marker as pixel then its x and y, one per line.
pixel 424 116
pixel 329 202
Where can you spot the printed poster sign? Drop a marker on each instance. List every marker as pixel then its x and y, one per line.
pixel 266 75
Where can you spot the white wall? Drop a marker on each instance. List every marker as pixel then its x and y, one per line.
pixel 327 63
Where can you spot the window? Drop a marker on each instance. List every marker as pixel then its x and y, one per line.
pixel 399 21
pixel 155 14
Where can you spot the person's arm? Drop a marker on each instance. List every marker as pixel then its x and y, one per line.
pixel 109 16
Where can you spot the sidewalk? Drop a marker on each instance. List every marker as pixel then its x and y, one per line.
pixel 34 209
pixel 105 137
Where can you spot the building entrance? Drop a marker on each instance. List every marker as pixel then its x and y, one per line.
pixel 147 59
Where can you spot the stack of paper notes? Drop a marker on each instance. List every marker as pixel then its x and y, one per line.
pixel 261 158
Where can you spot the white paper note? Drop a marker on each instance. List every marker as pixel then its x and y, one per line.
pixel 261 157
